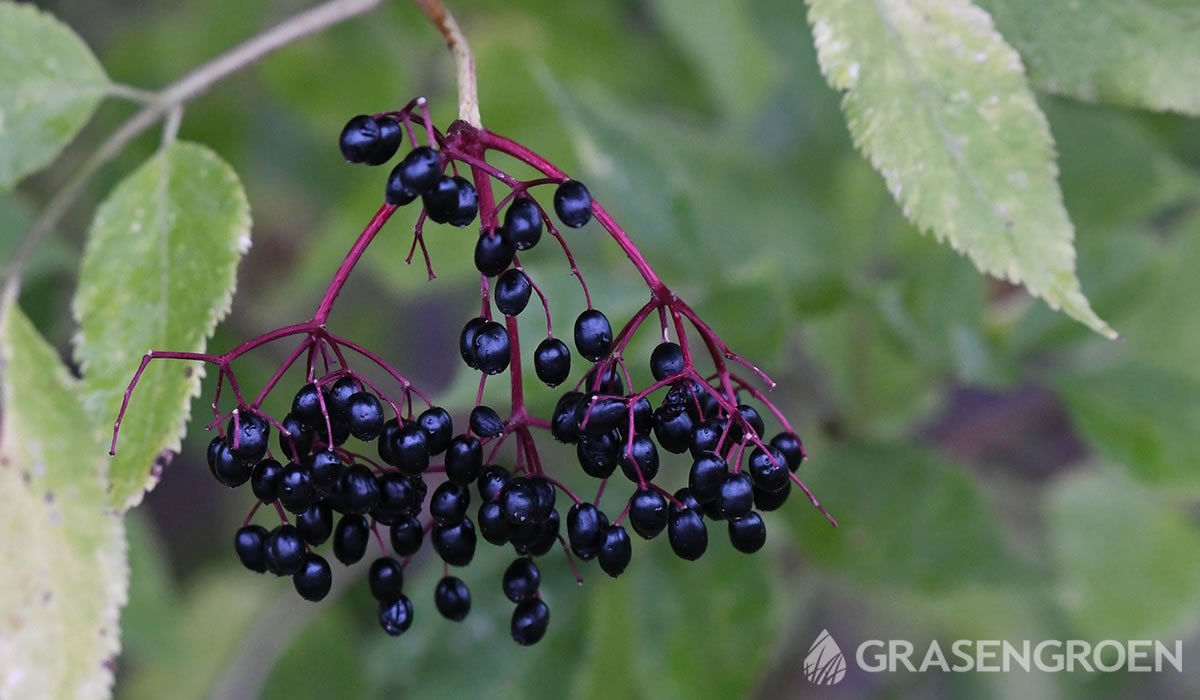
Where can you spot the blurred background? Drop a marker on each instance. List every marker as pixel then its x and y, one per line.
pixel 999 471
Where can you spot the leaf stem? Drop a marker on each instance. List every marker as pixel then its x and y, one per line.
pixel 170 98
pixel 464 60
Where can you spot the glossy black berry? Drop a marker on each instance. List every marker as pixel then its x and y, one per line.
pixel 324 470
pixel 564 422
pixel 518 501
pixel 673 427
pixel 314 579
pixel 666 361
pixel 449 502
pixel 451 200
pixel 544 496
pixel 648 513
pixel 265 480
pixel 643 416
pixel 296 492
pixel 513 290
pixel 399 497
pixel 370 140
pixel 338 396
pixel 493 254
pixel 706 436
pixel 485 422
pixel 615 551
pixel 410 447
pixel 521 580
pixel 684 500
pixel 573 204
pixel 492 482
pixel 708 472
pixel 386 579
pixel 350 539
pixel 493 526
pixel 523 224
pixel 251 545
pixel 736 497
pixel 768 469
pixel 604 414
pixel 645 459
pixel 552 361
pixel 529 622
pixel 357 489
pixel 438 427
pixel 452 598
pixel 770 500
pixel 306 407
pixel 464 459
pixel 687 534
pixel 593 335
pixel 285 551
pixel 466 341
pixel 586 527
pixel 413 176
pixel 247 435
pixel 599 454
pixel 296 439
pixel 749 533
pixel 791 448
pixel 315 525
pixel 493 348
pixel 537 538
pixel 396 617
pixel 455 544
pixel 406 536
pixel 365 416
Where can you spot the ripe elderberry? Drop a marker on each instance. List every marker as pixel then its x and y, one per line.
pixel 529 621
pixel 573 203
pixel 314 579
pixel 552 361
pixel 522 224
pixel 593 334
pixel 370 140
pixel 513 290
pixel 452 598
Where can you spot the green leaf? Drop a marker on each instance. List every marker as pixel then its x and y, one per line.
pixel 949 535
pixel 1141 53
pixel 64 575
pixel 939 104
pixel 50 84
pixel 1126 559
pixel 1141 417
pixel 158 274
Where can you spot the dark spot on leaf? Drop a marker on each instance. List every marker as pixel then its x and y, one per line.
pixel 187 372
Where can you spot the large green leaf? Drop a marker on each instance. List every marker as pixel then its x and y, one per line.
pixel 1141 53
pixel 1126 559
pixel 50 83
pixel 908 520
pixel 158 274
pixel 1144 418
pixel 64 575
pixel 940 105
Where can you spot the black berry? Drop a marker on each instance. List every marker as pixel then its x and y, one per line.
pixel 648 513
pixel 708 473
pixel 492 348
pixel 513 290
pixel 768 469
pixel 296 492
pixel 485 422
pixel 285 550
pixel 365 416
pixel 493 254
pixel 251 545
pixel 314 579
pixel 666 361
pixel 687 534
pixel 315 525
pixel 552 361
pixel 350 539
pixel 452 598
pixel 449 503
pixel 573 204
pixel 396 617
pixel 593 334
pixel 521 580
pixel 464 459
pixel 529 621
pixel 466 341
pixel 455 544
pixel 407 536
pixel 357 489
pixel 586 527
pixel 523 224
pixel 386 579
pixel 247 435
pixel 616 551
pixel 748 533
pixel 736 497
pixel 645 459
pixel 791 447
pixel 266 479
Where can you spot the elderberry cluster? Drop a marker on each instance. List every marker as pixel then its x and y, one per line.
pixel 418 478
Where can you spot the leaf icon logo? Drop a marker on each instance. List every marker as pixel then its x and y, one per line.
pixel 825 663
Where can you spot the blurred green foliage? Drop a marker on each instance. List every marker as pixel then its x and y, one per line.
pixel 999 471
